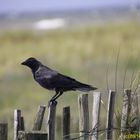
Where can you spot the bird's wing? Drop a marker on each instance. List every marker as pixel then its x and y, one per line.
pixel 65 83
pixel 51 79
pixel 62 81
pixel 44 72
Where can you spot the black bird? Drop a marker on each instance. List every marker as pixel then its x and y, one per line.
pixel 52 80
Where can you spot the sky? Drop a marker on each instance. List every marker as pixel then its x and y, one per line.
pixel 51 5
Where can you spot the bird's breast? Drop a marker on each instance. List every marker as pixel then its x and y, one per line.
pixel 45 83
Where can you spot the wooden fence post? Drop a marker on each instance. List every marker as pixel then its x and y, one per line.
pixel 66 123
pixel 39 118
pixel 135 121
pixel 83 116
pixel 110 113
pixel 125 112
pixel 35 135
pixel 51 121
pixel 22 123
pixel 3 131
pixel 18 123
pixel 95 114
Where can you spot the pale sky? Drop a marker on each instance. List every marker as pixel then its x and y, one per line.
pixel 45 5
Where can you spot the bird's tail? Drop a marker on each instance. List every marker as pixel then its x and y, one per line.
pixel 85 88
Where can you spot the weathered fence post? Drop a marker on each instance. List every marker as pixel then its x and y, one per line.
pixel 83 116
pixel 3 131
pixel 51 121
pixel 35 135
pixel 135 122
pixel 39 118
pixel 125 112
pixel 22 123
pixel 95 114
pixel 110 113
pixel 66 123
pixel 18 123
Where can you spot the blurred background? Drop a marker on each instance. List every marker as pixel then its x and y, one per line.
pixel 97 42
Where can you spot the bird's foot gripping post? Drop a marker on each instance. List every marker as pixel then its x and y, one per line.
pixel 53 99
pixel 52 102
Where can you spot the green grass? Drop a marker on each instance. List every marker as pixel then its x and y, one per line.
pixel 83 53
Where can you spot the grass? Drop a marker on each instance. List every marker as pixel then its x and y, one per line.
pixel 83 53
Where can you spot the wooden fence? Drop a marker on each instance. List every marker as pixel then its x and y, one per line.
pixel 129 126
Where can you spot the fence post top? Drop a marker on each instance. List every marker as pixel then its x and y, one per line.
pixel 66 107
pixel 96 92
pixel 112 91
pixel 127 90
pixel 44 106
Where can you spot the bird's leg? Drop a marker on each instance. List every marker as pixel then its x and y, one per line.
pixel 59 94
pixel 53 99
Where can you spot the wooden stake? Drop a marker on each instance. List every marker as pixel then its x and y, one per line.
pixel 51 121
pixel 83 116
pixel 39 118
pixel 17 123
pixel 66 123
pixel 3 131
pixel 125 111
pixel 95 114
pixel 110 113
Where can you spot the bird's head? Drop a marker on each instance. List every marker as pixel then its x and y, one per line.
pixel 31 63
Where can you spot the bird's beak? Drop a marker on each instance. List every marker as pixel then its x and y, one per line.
pixel 23 63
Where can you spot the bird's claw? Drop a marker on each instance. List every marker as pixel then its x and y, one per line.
pixel 52 102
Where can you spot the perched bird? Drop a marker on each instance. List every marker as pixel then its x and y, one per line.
pixel 52 80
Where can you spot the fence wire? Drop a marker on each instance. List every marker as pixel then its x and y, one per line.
pixel 94 132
